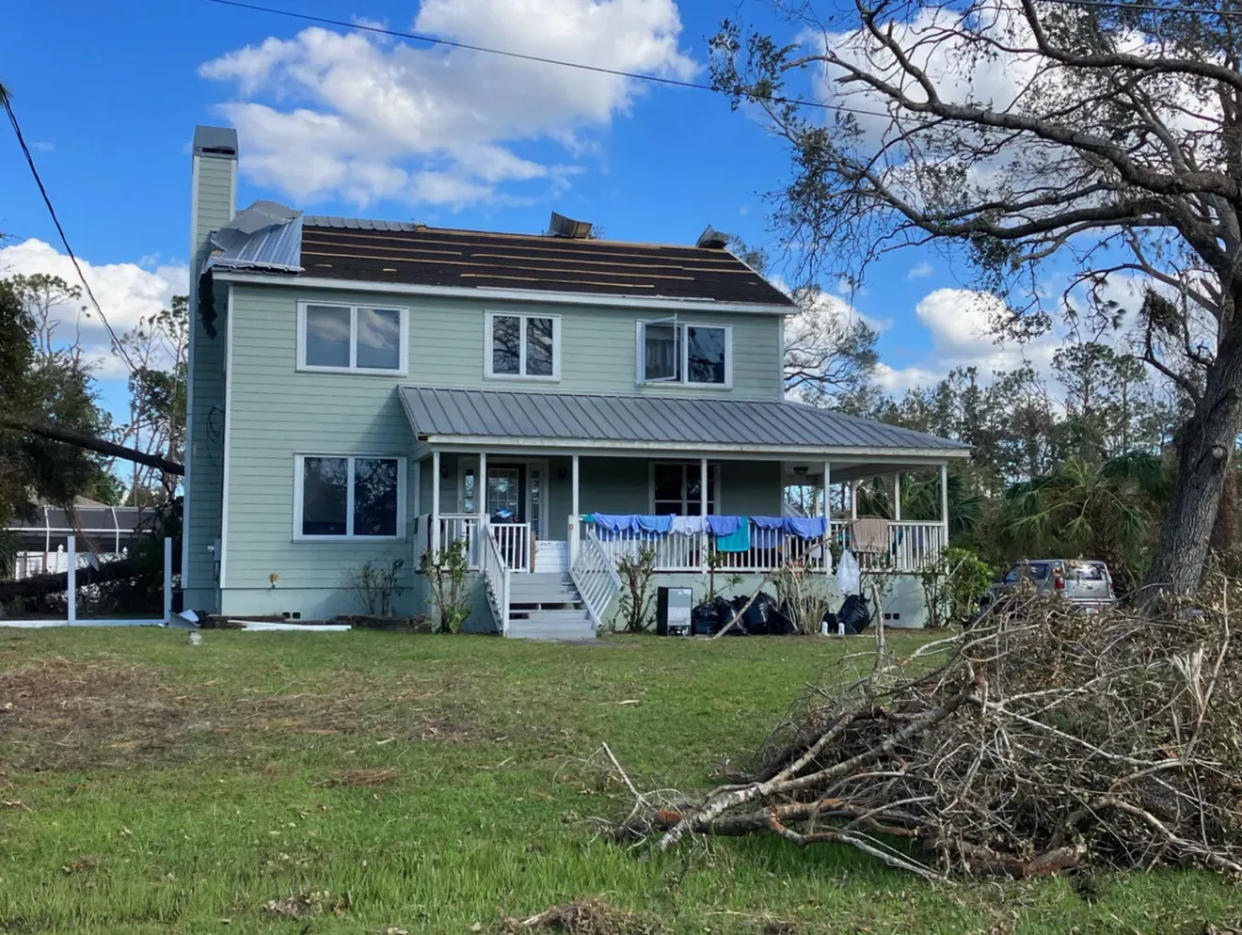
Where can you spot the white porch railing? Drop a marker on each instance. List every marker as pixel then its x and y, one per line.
pixel 513 540
pixel 453 526
pixel 496 576
pixel 594 575
pixel 912 546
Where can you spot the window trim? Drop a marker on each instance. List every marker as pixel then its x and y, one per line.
pixel 490 317
pixel 299 474
pixel 715 475
pixel 640 358
pixel 403 363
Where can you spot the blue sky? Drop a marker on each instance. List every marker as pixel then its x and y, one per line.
pixel 340 123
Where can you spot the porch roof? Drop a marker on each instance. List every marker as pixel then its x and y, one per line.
pixel 450 416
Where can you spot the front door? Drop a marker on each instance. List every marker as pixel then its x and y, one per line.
pixel 505 489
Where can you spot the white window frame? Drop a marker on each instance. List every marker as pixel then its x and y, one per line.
pixel 640 356
pixel 403 313
pixel 714 472
pixel 490 374
pixel 299 474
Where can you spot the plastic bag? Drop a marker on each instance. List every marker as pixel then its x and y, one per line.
pixel 848 573
pixel 854 614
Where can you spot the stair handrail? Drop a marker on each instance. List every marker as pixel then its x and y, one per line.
pixel 594 577
pixel 496 574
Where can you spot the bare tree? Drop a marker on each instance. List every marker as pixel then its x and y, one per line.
pixel 1024 133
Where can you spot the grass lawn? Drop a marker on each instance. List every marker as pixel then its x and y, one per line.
pixel 149 786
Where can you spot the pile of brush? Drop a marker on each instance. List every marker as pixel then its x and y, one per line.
pixel 1037 741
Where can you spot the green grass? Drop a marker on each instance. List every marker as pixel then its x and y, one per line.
pixel 148 786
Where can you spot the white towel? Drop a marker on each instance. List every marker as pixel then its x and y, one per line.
pixel 688 525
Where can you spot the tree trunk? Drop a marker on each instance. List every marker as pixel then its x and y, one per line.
pixel 1225 531
pixel 1204 461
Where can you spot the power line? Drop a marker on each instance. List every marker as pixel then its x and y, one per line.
pixel 21 141
pixel 523 56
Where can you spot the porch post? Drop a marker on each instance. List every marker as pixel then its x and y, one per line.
pixel 480 506
pixel 825 545
pixel 434 538
pixel 703 513
pixel 944 501
pixel 853 499
pixel 897 496
pixel 574 508
pixel 71 581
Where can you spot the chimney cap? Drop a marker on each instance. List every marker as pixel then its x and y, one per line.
pixel 215 141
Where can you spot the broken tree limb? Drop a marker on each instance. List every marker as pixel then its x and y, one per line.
pixel 90 443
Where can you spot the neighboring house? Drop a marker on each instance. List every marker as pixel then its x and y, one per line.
pixel 368 390
pixel 103 532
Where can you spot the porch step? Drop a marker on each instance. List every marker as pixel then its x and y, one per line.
pixel 551 556
pixel 552 625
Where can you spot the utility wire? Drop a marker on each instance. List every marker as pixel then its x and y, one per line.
pixel 117 346
pixel 505 53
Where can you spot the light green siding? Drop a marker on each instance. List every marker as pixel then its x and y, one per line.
pixel 277 412
pixel 211 209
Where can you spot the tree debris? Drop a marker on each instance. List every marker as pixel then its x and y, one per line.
pixel 1039 741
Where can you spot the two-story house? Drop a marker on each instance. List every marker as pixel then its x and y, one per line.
pixel 370 390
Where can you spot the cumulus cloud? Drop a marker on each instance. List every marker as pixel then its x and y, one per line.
pixel 125 291
pixel 327 114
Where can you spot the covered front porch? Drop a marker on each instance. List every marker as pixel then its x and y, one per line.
pixel 538 490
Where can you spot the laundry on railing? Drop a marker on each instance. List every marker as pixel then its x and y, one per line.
pixel 869 535
pixel 688 525
pixel 806 527
pixel 615 522
pixel 769 531
pixel 654 524
pixel 732 532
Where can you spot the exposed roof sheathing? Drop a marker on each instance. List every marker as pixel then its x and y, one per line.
pixel 383 251
pixel 565 418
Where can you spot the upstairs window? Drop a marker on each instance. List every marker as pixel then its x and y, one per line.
pixel 341 497
pixel 523 347
pixel 670 351
pixel 352 338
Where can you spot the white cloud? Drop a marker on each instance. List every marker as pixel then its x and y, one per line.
pixel 328 114
pixel 920 271
pixel 125 292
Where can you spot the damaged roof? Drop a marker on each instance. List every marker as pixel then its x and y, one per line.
pixel 268 237
pixel 657 420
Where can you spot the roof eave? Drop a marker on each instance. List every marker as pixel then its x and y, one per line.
pixel 931 455
pixel 543 296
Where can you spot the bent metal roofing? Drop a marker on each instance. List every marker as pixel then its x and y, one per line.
pixel 566 418
pixel 381 251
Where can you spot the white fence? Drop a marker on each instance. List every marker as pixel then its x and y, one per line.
pixel 72 619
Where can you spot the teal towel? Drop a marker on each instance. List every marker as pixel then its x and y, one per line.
pixel 738 540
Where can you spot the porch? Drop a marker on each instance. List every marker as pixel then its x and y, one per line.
pixel 558 487
pixel 535 559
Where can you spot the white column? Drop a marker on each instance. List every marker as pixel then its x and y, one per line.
pixel 853 499
pixel 897 496
pixel 702 486
pixel 480 507
pixel 826 545
pixel 168 574
pixel 72 581
pixel 433 539
pixel 944 501
pixel 574 508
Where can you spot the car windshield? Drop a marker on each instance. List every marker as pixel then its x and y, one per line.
pixel 1035 571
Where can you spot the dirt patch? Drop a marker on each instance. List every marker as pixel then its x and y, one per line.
pixel 361 778
pixel 305 905
pixel 584 917
pixel 60 714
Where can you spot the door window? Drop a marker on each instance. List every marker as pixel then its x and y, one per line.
pixel 504 494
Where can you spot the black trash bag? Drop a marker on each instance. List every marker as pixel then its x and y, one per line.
pixel 766 617
pixel 854 613
pixel 707 618
pixel 830 620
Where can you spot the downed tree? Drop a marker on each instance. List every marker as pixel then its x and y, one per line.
pixel 1036 742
